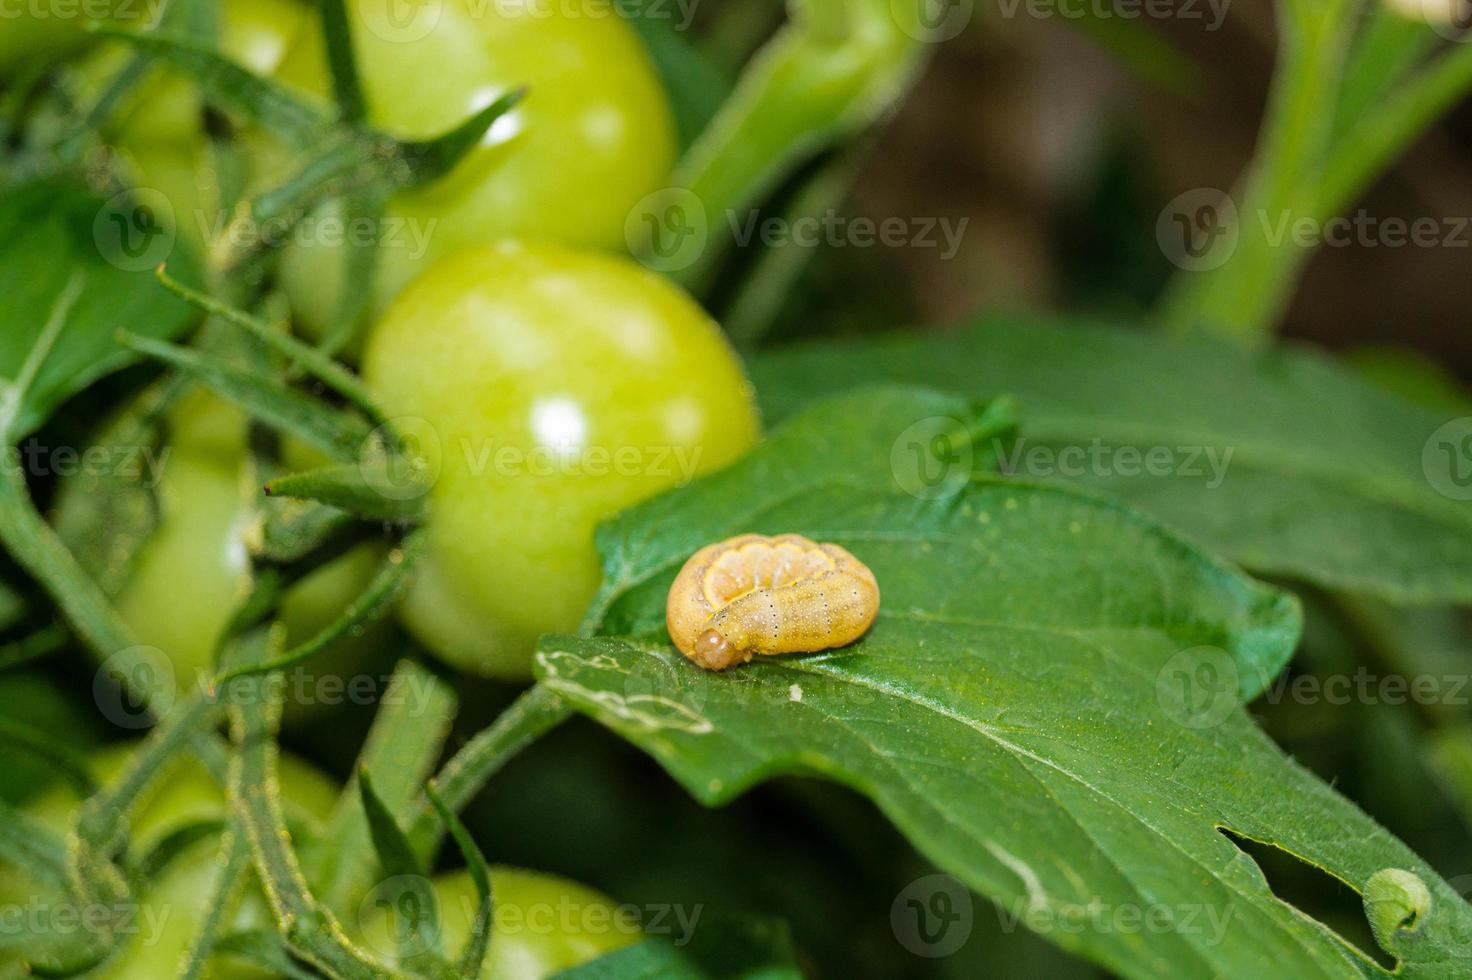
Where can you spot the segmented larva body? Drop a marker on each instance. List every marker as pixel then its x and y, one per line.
pixel 757 594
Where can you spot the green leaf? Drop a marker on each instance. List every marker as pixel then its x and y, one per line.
pixel 472 959
pixel 69 280
pixel 264 396
pixel 1267 456
pixel 290 530
pixel 24 843
pixel 406 879
pixel 724 947
pixel 372 604
pixel 429 160
pixel 319 365
pixel 382 489
pixel 402 748
pixel 229 86
pixel 1045 707
pixel 859 448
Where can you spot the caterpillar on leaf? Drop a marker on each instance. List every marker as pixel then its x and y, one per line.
pixel 754 594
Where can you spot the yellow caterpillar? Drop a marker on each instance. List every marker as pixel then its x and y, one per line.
pixel 757 594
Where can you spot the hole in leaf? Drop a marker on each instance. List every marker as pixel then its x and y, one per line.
pixel 1314 892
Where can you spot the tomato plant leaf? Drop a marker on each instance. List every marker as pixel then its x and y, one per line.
pixel 318 364
pixel 229 86
pixel 264 396
pixel 408 891
pixel 472 959
pixel 381 489
pixel 66 289
pixel 910 453
pixel 430 160
pixel 410 729
pixel 1265 456
pixel 1045 707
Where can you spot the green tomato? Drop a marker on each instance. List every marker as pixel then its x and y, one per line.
pixel 548 389
pixel 193 571
pixel 157 132
pixel 593 136
pixel 172 911
pixel 195 568
pixel 543 924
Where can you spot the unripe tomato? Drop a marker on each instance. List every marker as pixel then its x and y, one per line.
pixel 157 132
pixel 543 924
pixel 193 571
pixel 594 134
pixel 172 910
pixel 548 388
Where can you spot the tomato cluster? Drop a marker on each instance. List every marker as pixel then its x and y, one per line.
pixel 553 378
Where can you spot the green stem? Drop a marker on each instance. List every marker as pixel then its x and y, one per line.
pixel 1246 294
pixel 1389 128
pixel 831 72
pixel 321 366
pixel 531 716
pixel 234 861
pixel 37 549
pixel 311 931
pixel 370 605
